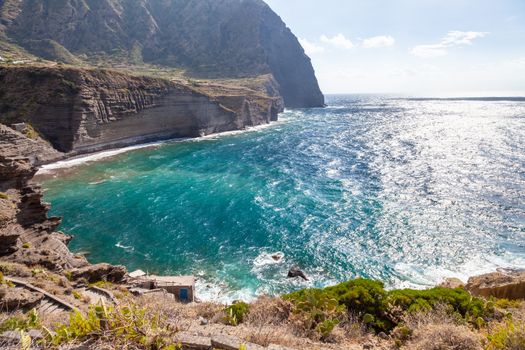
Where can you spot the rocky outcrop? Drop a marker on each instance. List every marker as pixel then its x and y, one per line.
pixel 99 272
pixel 27 234
pixel 508 284
pixel 80 111
pixel 206 38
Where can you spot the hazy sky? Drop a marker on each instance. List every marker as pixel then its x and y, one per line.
pixel 422 47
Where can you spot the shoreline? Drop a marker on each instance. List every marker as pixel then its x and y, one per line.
pixel 55 168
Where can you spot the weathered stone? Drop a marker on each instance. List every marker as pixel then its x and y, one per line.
pixel 16 298
pixel 452 283
pixel 508 284
pixel 100 272
pixel 225 342
pixel 193 342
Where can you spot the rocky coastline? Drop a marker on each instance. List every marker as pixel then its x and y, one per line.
pixel 40 273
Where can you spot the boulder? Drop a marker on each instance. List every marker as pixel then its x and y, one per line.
pixel 100 272
pixel 452 283
pixel 508 284
pixel 17 298
pixel 296 272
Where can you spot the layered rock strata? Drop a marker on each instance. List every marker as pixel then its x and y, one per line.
pixel 84 110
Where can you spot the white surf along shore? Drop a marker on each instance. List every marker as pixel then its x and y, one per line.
pixel 51 168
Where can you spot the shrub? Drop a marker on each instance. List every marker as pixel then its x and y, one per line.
pixel 508 335
pixel 122 325
pixel 236 312
pixel 444 337
pixel 3 195
pixel 269 311
pixel 382 310
pixel 24 322
pixel 458 300
pixel 507 304
pixel 26 245
pixel 364 297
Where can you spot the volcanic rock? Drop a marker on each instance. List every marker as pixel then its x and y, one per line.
pixel 508 284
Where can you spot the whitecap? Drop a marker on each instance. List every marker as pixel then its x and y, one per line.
pixel 265 259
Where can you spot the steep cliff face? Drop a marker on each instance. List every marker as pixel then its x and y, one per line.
pixel 27 234
pixel 86 110
pixel 208 38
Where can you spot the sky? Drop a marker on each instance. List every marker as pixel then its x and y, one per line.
pixel 413 47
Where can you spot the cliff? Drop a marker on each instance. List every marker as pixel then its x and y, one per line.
pixel 84 110
pixel 205 38
pixel 27 235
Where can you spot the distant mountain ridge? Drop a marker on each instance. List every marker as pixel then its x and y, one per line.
pixel 207 38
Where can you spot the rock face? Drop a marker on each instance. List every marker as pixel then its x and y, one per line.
pixel 27 234
pixel 81 110
pixel 99 272
pixel 506 284
pixel 208 38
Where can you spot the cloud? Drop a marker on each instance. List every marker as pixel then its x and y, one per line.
pixel 378 41
pixel 453 38
pixel 338 41
pixel 310 48
pixel 429 51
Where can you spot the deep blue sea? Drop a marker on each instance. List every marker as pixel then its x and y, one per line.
pixel 405 191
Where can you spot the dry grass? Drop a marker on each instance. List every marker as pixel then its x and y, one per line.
pixel 436 329
pixel 14 269
pixel 269 311
pixel 444 337
pixel 441 314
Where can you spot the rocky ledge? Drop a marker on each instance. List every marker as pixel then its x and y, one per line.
pixel 27 235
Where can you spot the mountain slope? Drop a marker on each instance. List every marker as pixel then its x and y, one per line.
pixel 207 38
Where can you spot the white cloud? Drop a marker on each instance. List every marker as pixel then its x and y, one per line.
pixel 338 41
pixel 429 51
pixel 378 41
pixel 456 37
pixel 453 38
pixel 310 48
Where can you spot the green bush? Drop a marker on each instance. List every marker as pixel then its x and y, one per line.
pixel 25 322
pixel 3 195
pixel 459 300
pixel 360 296
pixel 235 313
pixel 377 307
pixel 509 335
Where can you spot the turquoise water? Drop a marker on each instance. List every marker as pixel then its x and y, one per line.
pixel 406 191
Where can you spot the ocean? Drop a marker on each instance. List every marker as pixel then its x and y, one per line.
pixel 407 191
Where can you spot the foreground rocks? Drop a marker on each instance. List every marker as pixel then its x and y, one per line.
pixel 27 235
pixel 507 284
pixel 99 272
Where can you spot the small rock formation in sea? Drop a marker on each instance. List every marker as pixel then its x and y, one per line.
pixel 295 271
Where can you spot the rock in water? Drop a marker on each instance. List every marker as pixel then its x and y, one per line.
pixel 508 284
pixel 296 272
